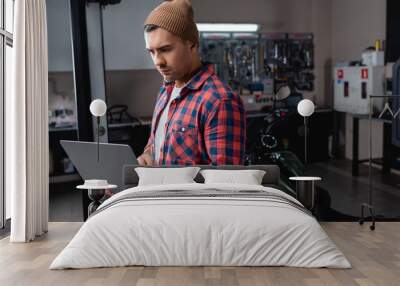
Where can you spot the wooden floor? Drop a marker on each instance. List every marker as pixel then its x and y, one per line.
pixel 375 257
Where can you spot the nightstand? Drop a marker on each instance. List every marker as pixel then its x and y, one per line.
pixel 305 190
pixel 96 192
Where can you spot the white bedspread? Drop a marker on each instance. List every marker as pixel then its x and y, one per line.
pixel 186 231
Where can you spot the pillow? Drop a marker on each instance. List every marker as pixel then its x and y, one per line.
pixel 163 176
pixel 248 177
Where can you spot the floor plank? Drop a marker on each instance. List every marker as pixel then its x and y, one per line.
pixel 375 256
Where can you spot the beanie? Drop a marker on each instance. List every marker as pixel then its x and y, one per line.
pixel 175 16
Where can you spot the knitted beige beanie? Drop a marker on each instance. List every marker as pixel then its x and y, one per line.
pixel 175 16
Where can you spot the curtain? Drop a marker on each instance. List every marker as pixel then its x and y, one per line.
pixel 27 124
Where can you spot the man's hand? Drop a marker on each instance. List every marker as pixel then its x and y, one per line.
pixel 145 159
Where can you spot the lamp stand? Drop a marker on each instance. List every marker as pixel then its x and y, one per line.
pixel 305 140
pixel 98 136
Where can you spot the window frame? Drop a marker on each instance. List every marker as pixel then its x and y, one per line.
pixel 6 39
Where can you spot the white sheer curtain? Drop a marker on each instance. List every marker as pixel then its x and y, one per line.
pixel 27 124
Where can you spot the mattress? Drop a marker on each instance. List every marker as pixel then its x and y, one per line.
pixel 201 225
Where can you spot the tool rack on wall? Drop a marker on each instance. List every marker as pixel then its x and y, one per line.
pixel 267 61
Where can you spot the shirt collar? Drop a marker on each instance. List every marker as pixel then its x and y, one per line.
pixel 206 70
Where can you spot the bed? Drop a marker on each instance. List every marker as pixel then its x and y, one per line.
pixel 201 224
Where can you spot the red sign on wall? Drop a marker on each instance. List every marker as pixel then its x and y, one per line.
pixel 364 73
pixel 340 74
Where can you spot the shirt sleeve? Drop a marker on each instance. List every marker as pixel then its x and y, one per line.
pixel 224 133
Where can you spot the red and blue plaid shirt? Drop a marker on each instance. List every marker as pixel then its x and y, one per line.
pixel 206 123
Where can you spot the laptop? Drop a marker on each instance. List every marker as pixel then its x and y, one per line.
pixel 109 165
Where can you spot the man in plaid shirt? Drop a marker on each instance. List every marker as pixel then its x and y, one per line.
pixel 197 118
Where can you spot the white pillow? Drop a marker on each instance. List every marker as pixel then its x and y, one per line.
pixel 163 176
pixel 248 177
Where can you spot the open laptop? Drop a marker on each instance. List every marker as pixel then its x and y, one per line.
pixel 112 158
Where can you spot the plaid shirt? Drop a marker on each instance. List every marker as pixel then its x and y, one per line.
pixel 205 125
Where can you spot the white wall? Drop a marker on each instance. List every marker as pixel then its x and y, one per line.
pixel 356 24
pixel 124 45
pixel 59 35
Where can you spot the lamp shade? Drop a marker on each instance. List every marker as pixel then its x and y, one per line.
pixel 305 107
pixel 98 107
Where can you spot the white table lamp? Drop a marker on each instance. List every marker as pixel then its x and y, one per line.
pixel 305 108
pixel 98 108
